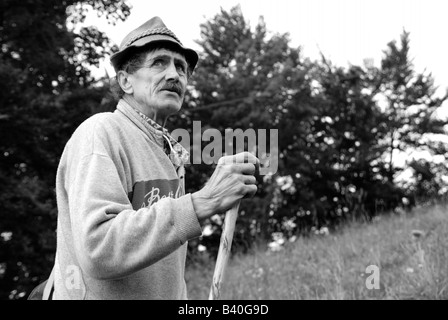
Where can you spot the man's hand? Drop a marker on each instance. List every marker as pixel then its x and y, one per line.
pixel 232 180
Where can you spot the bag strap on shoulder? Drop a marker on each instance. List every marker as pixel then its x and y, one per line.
pixel 49 286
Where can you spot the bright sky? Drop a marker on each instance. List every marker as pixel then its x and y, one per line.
pixel 346 31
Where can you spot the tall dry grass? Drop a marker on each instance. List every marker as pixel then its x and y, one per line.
pixel 410 249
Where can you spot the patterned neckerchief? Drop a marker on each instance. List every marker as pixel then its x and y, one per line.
pixel 173 149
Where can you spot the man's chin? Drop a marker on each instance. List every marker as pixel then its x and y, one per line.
pixel 170 103
pixel 170 108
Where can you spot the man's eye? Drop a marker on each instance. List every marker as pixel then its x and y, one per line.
pixel 181 68
pixel 158 62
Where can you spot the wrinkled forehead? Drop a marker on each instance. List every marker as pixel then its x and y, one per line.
pixel 165 52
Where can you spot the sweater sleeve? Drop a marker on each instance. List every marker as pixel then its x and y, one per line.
pixel 111 239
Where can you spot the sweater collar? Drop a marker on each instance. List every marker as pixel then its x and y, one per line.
pixel 173 149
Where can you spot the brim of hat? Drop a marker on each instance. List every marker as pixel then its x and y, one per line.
pixel 190 55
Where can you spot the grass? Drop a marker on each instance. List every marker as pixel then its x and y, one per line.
pixel 333 267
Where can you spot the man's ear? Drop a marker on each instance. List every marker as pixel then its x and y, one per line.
pixel 124 83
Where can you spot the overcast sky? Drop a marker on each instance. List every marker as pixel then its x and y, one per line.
pixel 346 31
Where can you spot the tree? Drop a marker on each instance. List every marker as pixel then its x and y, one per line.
pixel 248 79
pixel 411 105
pixel 47 92
pixel 334 133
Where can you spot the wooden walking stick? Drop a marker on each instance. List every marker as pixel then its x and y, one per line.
pixel 225 245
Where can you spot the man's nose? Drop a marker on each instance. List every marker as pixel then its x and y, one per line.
pixel 171 72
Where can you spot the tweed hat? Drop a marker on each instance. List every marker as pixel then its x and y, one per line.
pixel 151 32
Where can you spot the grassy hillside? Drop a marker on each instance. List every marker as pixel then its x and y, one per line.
pixel 410 249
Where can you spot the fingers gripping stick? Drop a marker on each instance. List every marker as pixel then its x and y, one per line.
pixel 225 245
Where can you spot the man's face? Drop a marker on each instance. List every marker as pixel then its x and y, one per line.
pixel 161 83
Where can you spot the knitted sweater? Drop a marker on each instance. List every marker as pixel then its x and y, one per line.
pixel 123 218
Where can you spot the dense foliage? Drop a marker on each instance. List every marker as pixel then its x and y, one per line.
pixel 47 91
pixel 340 129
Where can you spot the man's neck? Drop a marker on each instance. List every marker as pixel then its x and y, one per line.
pixel 151 114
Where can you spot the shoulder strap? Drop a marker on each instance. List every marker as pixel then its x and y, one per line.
pixel 49 286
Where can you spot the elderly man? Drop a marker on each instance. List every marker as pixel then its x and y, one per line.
pixel 124 219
